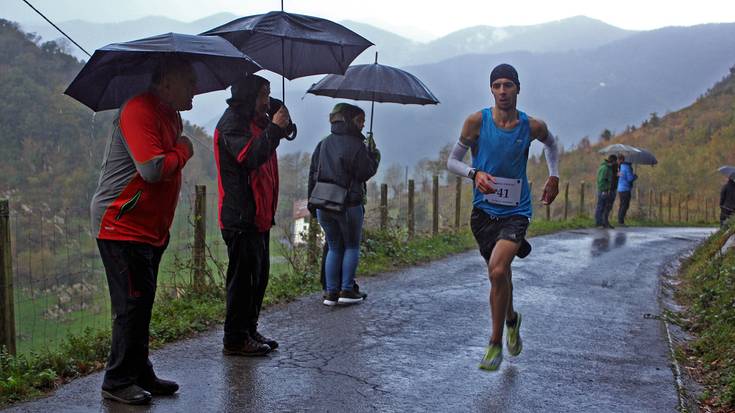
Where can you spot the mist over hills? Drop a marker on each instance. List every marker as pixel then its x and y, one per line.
pixel 579 74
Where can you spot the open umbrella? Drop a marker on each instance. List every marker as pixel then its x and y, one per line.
pixel 294 45
pixel 376 83
pixel 632 154
pixel 119 71
pixel 728 171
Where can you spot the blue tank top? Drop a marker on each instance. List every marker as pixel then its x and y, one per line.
pixel 503 153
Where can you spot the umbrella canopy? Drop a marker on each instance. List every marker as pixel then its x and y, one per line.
pixel 294 45
pixel 631 153
pixel 119 71
pixel 728 171
pixel 377 83
pixel 642 157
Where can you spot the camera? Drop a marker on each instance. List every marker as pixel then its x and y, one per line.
pixel 291 129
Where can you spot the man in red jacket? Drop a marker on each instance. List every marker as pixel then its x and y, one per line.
pixel 245 143
pixel 132 210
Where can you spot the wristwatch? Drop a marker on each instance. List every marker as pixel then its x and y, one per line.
pixel 472 173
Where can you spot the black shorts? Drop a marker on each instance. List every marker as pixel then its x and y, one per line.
pixel 488 230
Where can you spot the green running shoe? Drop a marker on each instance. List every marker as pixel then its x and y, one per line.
pixel 493 358
pixel 513 337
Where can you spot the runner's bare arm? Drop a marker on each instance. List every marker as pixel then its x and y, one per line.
pixel 540 131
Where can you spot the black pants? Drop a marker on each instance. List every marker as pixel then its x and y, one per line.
pixel 247 279
pixel 624 205
pixel 132 272
pixel 610 201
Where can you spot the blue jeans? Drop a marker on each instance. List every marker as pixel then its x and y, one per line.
pixel 343 231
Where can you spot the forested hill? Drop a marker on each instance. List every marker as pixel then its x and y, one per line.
pixel 50 145
pixel 690 145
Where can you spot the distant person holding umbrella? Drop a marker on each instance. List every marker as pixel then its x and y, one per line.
pixel 727 200
pixel 626 177
pixel 499 138
pixel 340 166
pixel 132 210
pixel 245 143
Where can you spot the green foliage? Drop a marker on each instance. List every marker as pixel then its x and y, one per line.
pixel 708 291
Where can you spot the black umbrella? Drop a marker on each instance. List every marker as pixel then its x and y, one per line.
pixel 294 45
pixel 376 83
pixel 119 71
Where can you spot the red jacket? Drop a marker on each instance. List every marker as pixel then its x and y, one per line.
pixel 140 180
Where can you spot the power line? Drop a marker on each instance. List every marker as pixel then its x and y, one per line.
pixel 195 139
pixel 56 27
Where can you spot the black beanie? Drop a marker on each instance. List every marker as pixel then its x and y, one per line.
pixel 504 71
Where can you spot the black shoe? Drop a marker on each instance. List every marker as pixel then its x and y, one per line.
pixel 132 394
pixel 356 289
pixel 524 249
pixel 349 297
pixel 249 348
pixel 159 387
pixel 273 344
pixel 609 226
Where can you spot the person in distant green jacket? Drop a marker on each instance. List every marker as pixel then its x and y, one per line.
pixel 604 182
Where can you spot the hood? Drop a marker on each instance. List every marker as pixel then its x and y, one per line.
pixel 346 128
pixel 244 93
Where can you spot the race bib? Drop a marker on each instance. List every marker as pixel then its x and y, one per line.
pixel 507 192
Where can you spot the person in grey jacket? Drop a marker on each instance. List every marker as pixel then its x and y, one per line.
pixel 342 158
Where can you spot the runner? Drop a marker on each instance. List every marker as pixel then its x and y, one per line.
pixel 499 138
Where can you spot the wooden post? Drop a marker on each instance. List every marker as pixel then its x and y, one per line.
pixel 457 202
pixel 312 249
pixel 530 194
pixel 200 237
pixel 669 206
pixel 661 206
pixel 638 201
pixel 566 201
pixel 650 204
pixel 411 214
pixel 7 306
pixel 679 205
pixel 686 209
pixel 435 209
pixel 581 199
pixel 383 206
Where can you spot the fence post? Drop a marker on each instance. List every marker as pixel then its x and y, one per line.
pixel 669 206
pixel 581 199
pixel 650 204
pixel 458 202
pixel 686 208
pixel 383 206
pixel 639 201
pixel 530 194
pixel 679 207
pixel 661 206
pixel 7 310
pixel 435 209
pixel 200 237
pixel 312 249
pixel 566 201
pixel 411 213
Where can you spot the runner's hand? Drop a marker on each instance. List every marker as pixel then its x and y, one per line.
pixel 184 140
pixel 484 182
pixel 551 190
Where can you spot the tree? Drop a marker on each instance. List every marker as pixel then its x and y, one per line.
pixel 606 135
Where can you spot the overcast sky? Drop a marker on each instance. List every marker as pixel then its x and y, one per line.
pixel 419 20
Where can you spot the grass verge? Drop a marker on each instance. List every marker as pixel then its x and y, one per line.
pixel 707 291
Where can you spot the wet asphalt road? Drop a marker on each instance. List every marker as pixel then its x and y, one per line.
pixel 416 343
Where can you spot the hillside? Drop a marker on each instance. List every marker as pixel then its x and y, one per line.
pixel 50 145
pixel 690 145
